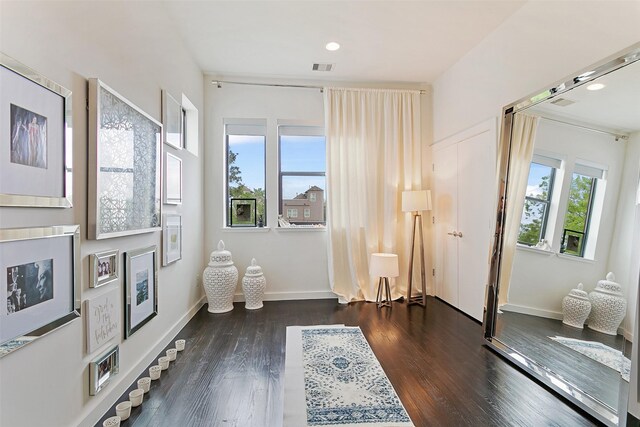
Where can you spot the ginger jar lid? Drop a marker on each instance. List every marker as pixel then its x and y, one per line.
pixel 254 269
pixel 220 257
pixel 579 292
pixel 609 285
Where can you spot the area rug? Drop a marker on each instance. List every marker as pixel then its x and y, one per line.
pixel 332 378
pixel 600 353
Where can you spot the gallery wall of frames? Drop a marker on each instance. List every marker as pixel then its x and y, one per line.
pixel 127 177
pixel 94 267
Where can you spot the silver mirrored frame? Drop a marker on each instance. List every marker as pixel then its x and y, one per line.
pixel 153 250
pixel 93 202
pixel 114 355
pixel 165 238
pixel 73 233
pixel 65 200
pixel 95 260
pixel 601 411
pixel 166 176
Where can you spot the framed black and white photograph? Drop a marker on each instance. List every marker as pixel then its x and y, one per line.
pixel 40 273
pixel 243 213
pixel 103 268
pixel 125 155
pixel 171 239
pixel 103 369
pixel 172 120
pixel 102 319
pixel 141 288
pixel 35 138
pixel 172 179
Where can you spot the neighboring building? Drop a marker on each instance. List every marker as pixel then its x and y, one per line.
pixel 307 207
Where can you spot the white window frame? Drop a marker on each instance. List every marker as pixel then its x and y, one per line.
pixel 307 212
pixel 292 212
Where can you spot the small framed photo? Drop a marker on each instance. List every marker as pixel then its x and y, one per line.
pixel 40 273
pixel 103 319
pixel 141 288
pixel 102 369
pixel 171 239
pixel 103 268
pixel 172 179
pixel 572 242
pixel 172 120
pixel 243 213
pixel 35 142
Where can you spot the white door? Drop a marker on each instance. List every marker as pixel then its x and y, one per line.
pixel 445 206
pixel 476 212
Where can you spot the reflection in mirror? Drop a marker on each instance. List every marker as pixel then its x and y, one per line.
pixel 569 220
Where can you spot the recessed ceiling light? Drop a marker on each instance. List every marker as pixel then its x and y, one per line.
pixel 595 86
pixel 332 46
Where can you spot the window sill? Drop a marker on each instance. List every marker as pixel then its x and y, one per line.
pixel 304 229
pixel 551 253
pixel 245 229
pixel 534 250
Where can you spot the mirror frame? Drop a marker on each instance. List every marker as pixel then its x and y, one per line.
pixel 591 405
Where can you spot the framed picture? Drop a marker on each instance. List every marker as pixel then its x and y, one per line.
pixel 103 268
pixel 102 369
pixel 125 152
pixel 572 242
pixel 243 213
pixel 172 179
pixel 103 319
pixel 35 139
pixel 40 273
pixel 171 239
pixel 172 121
pixel 141 288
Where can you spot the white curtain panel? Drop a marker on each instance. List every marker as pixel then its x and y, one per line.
pixel 523 136
pixel 373 154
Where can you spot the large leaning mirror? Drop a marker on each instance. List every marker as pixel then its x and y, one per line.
pixel 561 299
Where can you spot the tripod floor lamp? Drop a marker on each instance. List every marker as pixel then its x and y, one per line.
pixel 416 202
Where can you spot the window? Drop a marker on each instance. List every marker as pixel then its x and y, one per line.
pixel 537 204
pixel 189 126
pixel 580 209
pixel 302 172
pixel 292 213
pixel 245 154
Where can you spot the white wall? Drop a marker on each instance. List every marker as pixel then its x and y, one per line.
pixel 623 257
pixel 294 261
pixel 47 382
pixel 541 43
pixel 539 281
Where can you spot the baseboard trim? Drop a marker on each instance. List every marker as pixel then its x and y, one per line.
pixel 127 378
pixel 532 311
pixel 288 296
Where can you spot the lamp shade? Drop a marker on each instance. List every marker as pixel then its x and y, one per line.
pixel 383 265
pixel 416 200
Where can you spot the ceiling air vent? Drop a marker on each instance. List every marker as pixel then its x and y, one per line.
pixel 562 102
pixel 323 67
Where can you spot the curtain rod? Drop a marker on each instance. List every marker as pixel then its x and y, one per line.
pixel 219 83
pixel 618 136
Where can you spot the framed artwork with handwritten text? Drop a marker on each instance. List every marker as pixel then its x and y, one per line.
pixel 103 319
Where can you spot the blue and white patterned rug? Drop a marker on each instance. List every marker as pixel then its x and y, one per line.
pixel 600 353
pixel 344 384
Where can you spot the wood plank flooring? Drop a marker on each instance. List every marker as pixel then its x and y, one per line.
pixel 530 336
pixel 232 371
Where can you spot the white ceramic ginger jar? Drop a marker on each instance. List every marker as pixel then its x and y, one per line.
pixel 576 307
pixel 608 306
pixel 253 285
pixel 220 280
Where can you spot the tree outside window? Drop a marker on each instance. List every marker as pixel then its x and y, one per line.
pixel 533 223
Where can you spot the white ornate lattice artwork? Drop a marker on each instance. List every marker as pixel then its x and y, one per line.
pixel 127 165
pixel 344 382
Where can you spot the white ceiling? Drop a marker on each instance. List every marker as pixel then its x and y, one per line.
pixel 382 41
pixel 616 107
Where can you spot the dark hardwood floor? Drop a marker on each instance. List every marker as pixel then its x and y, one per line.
pixel 232 371
pixel 530 336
